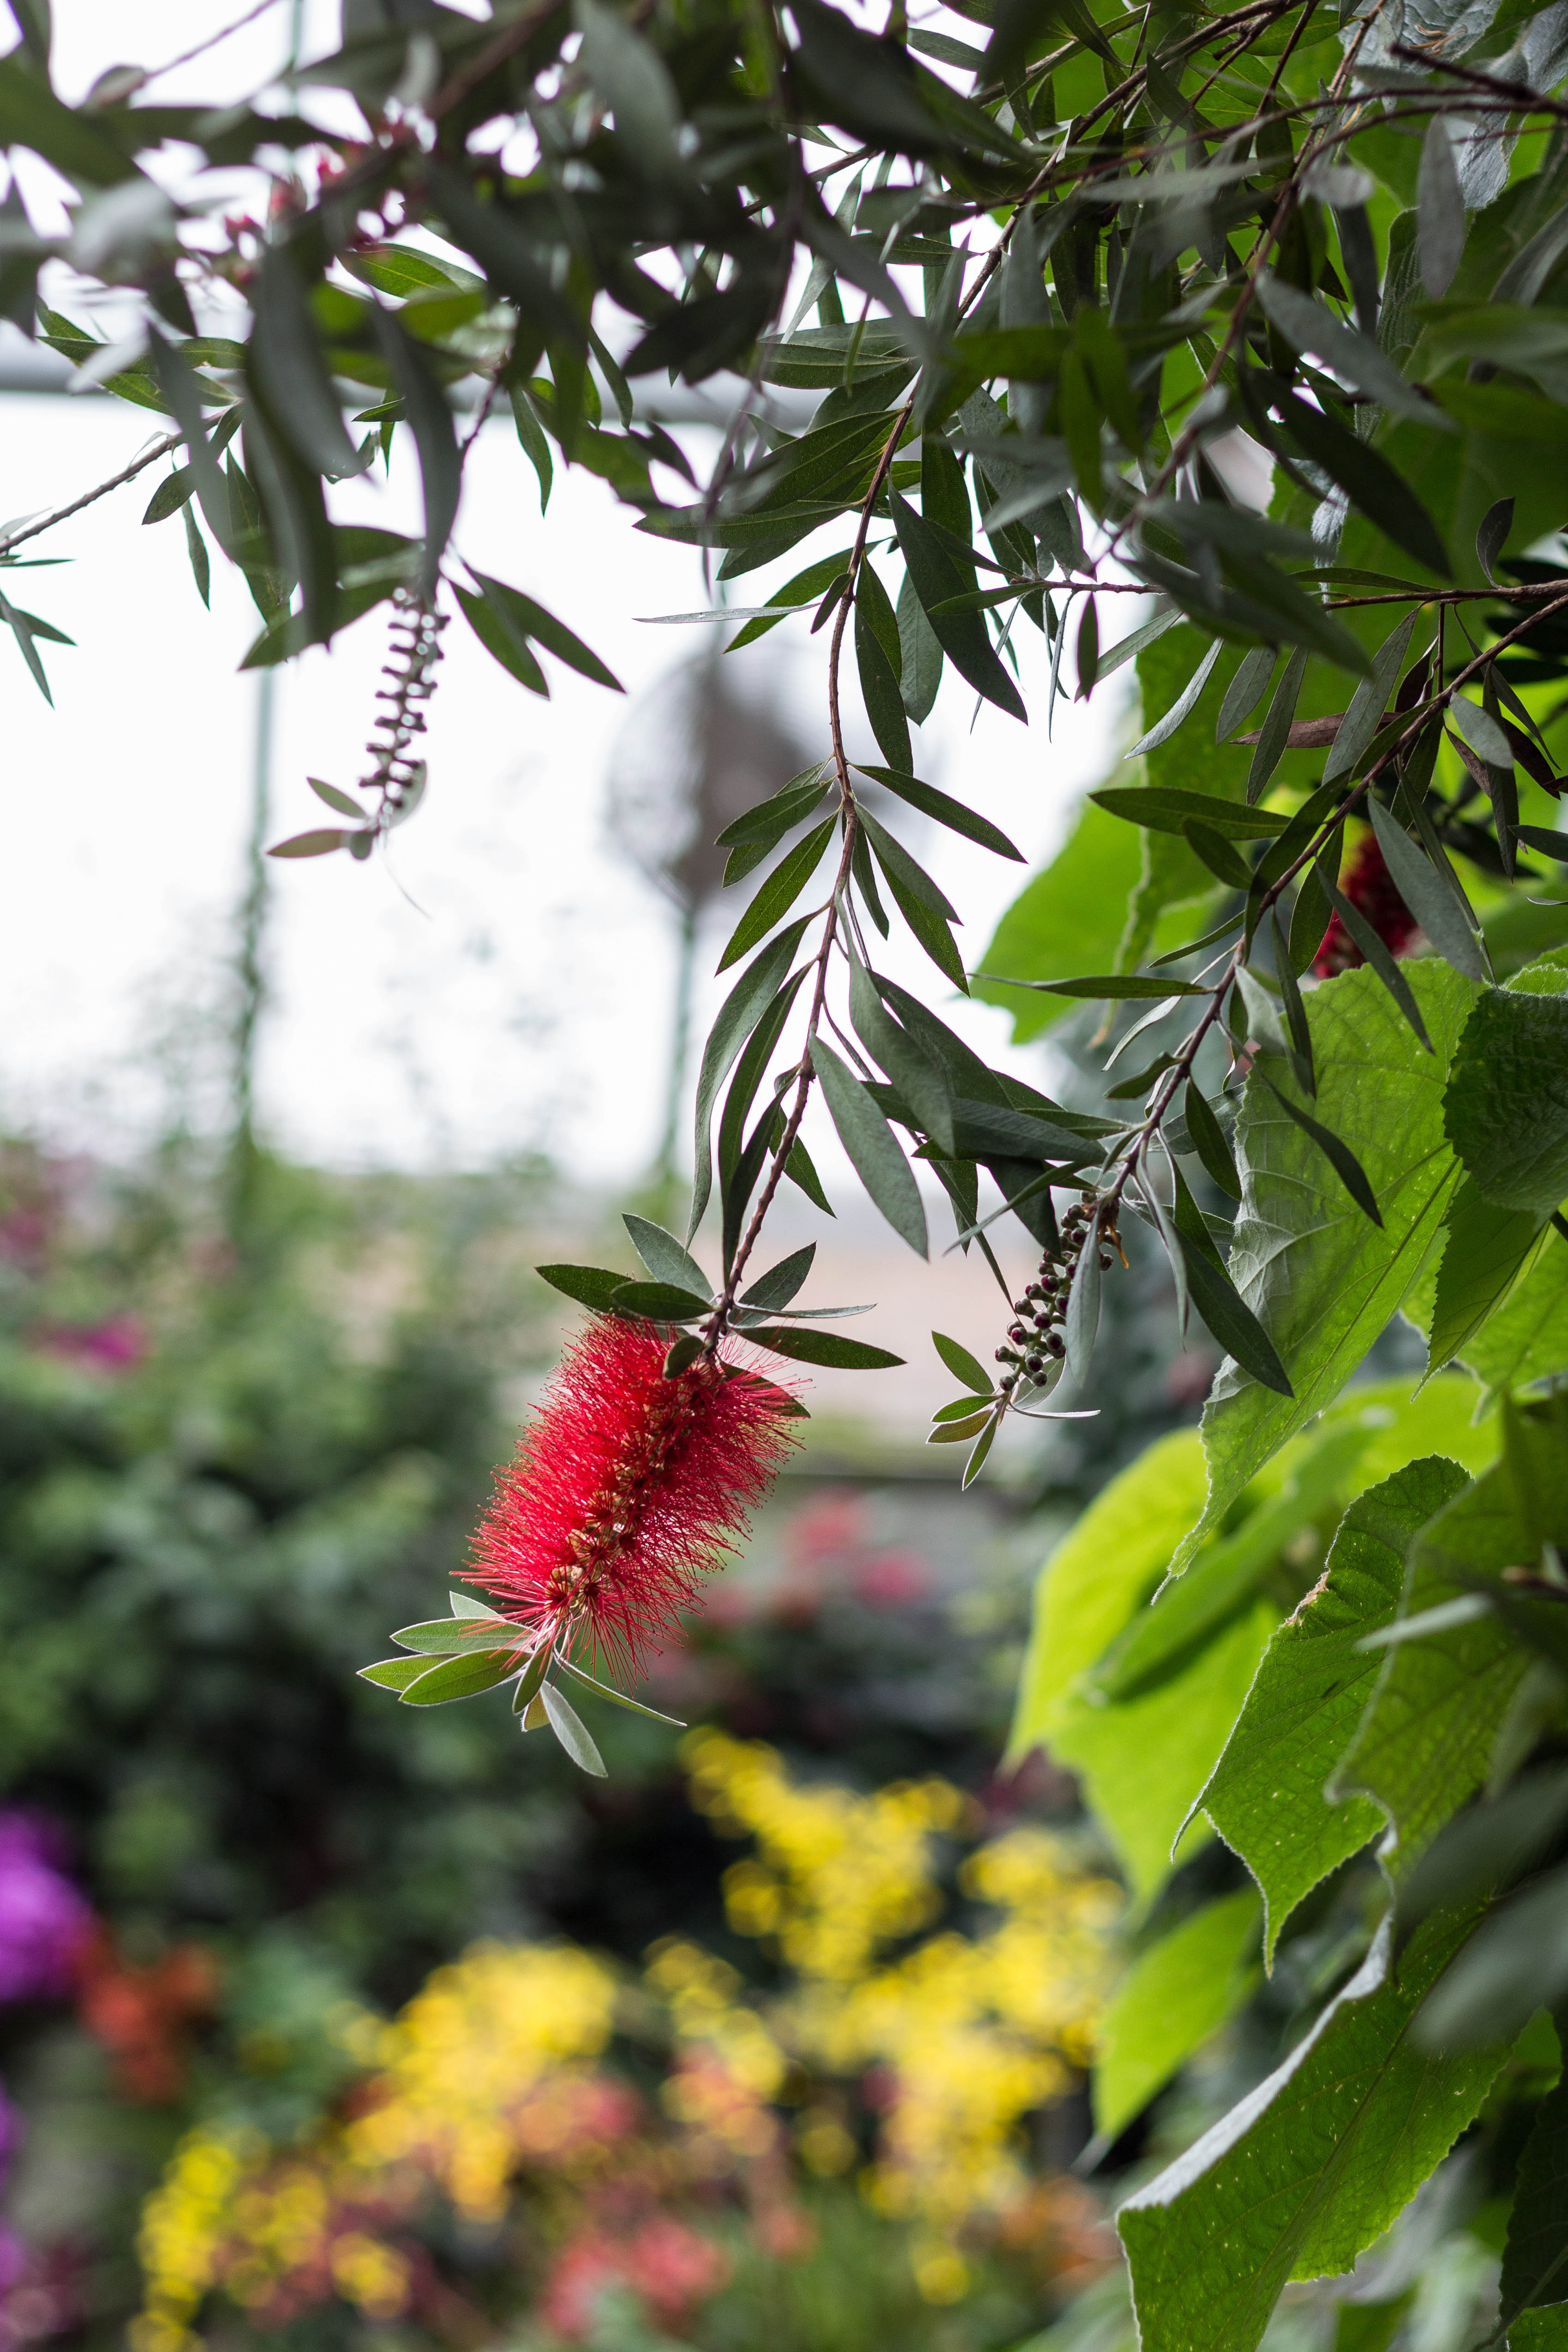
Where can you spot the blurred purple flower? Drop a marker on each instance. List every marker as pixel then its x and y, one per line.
pixel 13 2259
pixel 114 1345
pixel 11 2130
pixel 43 1919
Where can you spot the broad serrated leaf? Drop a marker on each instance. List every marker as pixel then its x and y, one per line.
pixel 1425 1740
pixel 1320 1277
pixel 1485 1251
pixel 1174 1996
pixel 1335 1150
pixel 1506 1112
pixel 1266 1796
pixel 1313 2167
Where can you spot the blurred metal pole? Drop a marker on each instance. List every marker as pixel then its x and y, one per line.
pixel 249 966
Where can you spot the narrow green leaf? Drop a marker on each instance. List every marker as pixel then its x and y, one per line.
pixel 317 843
pixel 822 1348
pixel 529 620
pixel 430 422
pixel 536 448
pixel 1478 728
pixel 395 1674
pixel 952 813
pixel 661 1302
pixel 1163 728
pixel 1368 703
pixel 1105 986
pixel 528 1683
pixel 741 1010
pixel 201 567
pixel 774 1290
pixel 591 1286
pixel 921 1083
pixel 1338 1153
pixel 1209 1142
pixel 462 1677
pixel 963 637
pixel 1300 1035
pixel 778 893
pixel 962 1365
pixel 1377 955
pixel 620 1698
pixel 570 1731
pixel 872 1147
pixel 1275 732
pixel 488 624
pixel 1246 690
pixel 1425 893
pixel 664 1256
pixel 1165 808
pixel 1231 1321
pixel 880 691
pixel 1082 1321
pixel 976 1462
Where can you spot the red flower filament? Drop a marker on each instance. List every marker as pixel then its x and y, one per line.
pixel 626 1491
pixel 1372 892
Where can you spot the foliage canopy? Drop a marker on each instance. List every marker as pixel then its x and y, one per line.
pixel 1055 292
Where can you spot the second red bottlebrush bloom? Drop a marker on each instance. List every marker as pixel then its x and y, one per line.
pixel 629 1487
pixel 1372 892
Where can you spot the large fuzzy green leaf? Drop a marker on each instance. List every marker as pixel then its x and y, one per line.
pixel 1173 1997
pixel 1425 1740
pixel 1266 1796
pixel 1320 1277
pixel 1069 918
pixel 1143 1761
pixel 1310 2167
pixel 1103 1569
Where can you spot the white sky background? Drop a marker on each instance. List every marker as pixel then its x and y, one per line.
pixel 525 1000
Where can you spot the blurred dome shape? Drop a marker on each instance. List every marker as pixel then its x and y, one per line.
pixel 698 750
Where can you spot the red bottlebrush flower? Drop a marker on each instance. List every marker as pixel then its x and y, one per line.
pixel 1372 892
pixel 625 1492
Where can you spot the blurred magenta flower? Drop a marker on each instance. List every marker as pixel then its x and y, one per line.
pixel 44 1920
pixel 113 1345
